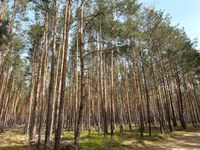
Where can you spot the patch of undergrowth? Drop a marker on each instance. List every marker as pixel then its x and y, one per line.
pixel 13 139
pixel 189 128
pixel 124 140
pixel 127 140
pixel 94 140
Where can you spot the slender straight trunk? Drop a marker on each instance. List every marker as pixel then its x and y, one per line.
pixel 120 103
pixel 127 101
pixel 53 83
pixel 76 81
pixel 171 102
pixel 191 109
pixel 138 91
pixel 64 71
pixel 167 108
pixel 157 97
pixel 167 103
pixel 112 96
pixel 179 97
pixel 55 101
pixel 120 106
pixel 43 94
pixel 6 98
pixel 196 102
pixel 105 100
pixel 2 98
pixel 4 79
pixel 146 91
pixel 43 89
pixel 33 82
pixel 99 98
pixel 89 101
pixel 103 84
pixel 33 115
pixel 15 104
pixel 58 76
pixel 80 115
pixel 141 103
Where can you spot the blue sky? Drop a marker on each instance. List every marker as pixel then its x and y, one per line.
pixel 186 13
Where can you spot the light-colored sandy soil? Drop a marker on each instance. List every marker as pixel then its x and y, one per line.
pixel 187 141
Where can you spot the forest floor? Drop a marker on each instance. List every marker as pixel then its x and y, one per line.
pixel 14 139
pixel 185 141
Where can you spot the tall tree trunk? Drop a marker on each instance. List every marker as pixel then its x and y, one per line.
pixel 76 81
pixel 43 93
pixel 146 91
pixel 33 115
pixel 127 101
pixel 157 97
pixel 171 103
pixel 33 82
pixel 80 115
pixel 64 71
pixel 179 97
pixel 53 83
pixel 112 96
pixel 58 75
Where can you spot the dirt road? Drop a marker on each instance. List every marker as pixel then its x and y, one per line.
pixel 187 141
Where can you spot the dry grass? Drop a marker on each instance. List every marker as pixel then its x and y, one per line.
pixel 13 139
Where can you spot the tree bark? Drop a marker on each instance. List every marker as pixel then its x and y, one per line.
pixel 80 115
pixel 64 71
pixel 53 83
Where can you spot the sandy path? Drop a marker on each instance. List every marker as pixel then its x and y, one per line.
pixel 187 141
